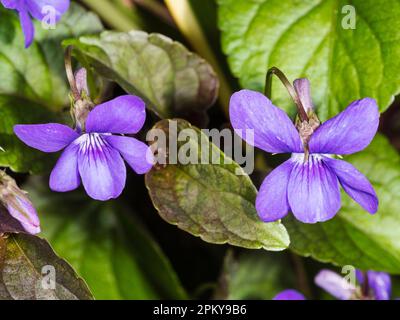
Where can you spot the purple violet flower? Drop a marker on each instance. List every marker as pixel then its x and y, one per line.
pixel 379 287
pixel 18 204
pixel 378 282
pixel 36 9
pixel 307 185
pixel 289 294
pixel 96 154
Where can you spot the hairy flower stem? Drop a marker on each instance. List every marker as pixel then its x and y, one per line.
pixel 70 73
pixel 292 92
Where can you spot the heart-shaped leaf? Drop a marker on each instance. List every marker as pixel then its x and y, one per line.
pixel 210 200
pixel 30 270
pixel 348 49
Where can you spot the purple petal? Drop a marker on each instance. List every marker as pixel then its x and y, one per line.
pixel 50 137
pixel 313 190
pixel 355 184
pixel 101 167
pixel 359 276
pixel 273 130
pixel 289 294
pixel 271 201
pixel 302 87
pixel 27 27
pixel 11 4
pixel 41 8
pixel 350 131
pixel 381 285
pixel 125 114
pixel 135 152
pixel 335 284
pixel 25 213
pixel 65 175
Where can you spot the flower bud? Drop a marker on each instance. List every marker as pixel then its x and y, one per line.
pixel 84 105
pixel 302 87
pixel 18 204
pixel 81 81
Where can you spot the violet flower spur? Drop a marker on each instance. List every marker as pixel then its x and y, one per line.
pixel 308 183
pixel 94 152
pixel 379 287
pixel 37 9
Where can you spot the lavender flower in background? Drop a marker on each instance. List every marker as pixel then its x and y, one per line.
pixel 18 204
pixel 379 287
pixel 307 184
pixel 379 284
pixel 36 9
pixel 289 294
pixel 94 152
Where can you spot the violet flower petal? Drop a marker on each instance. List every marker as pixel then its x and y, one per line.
pixel 124 114
pixel 350 131
pixel 381 285
pixel 355 184
pixel 11 4
pixel 313 190
pixel 136 153
pixel 289 294
pixel 101 167
pixel 273 130
pixel 359 276
pixel 65 175
pixel 27 27
pixel 335 284
pixel 271 201
pixel 50 137
pixel 37 8
pixel 26 214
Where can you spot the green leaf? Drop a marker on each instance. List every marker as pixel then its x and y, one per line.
pixel 172 80
pixel 255 275
pixel 29 268
pixel 110 249
pixel 33 85
pixel 354 237
pixel 307 39
pixel 210 200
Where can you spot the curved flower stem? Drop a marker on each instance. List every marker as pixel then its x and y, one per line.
pixel 268 88
pixel 70 73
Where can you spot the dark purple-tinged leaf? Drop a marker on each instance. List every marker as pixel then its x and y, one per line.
pixel 30 270
pixel 211 201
